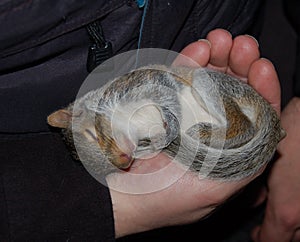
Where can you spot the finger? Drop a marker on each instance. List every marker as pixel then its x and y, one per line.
pixel 195 54
pixel 263 78
pixel 296 237
pixel 255 234
pixel 267 233
pixel 221 43
pixel 243 53
pixel 271 231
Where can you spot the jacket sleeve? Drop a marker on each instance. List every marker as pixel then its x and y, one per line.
pixel 46 196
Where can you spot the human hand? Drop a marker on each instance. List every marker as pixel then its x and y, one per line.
pixel 282 217
pixel 188 198
pixel 239 57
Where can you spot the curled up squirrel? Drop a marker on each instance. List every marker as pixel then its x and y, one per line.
pixel 201 118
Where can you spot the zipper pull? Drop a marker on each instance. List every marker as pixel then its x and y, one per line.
pixel 140 3
pixel 100 50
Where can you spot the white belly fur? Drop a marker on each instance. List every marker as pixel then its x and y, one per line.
pixel 192 111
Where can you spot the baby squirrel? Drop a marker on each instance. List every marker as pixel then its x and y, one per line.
pixel 204 119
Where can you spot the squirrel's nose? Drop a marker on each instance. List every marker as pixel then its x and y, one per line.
pixel 124 161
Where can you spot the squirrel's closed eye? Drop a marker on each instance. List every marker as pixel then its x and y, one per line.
pixel 144 142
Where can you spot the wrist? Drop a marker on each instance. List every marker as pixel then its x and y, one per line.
pixel 127 218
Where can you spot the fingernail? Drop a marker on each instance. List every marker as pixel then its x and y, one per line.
pixel 206 41
pixel 269 61
pixel 227 32
pixel 253 39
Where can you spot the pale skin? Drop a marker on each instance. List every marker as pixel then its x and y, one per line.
pixel 189 198
pixel 282 218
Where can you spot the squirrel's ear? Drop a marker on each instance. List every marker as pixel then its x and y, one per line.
pixel 60 119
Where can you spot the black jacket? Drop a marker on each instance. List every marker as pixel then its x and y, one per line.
pixel 292 8
pixel 44 194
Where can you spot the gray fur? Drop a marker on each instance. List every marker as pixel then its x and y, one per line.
pixel 213 156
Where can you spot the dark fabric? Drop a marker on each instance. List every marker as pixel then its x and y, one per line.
pixel 292 9
pixel 44 71
pixel 297 69
pixel 171 25
pixel 44 195
pixel 44 46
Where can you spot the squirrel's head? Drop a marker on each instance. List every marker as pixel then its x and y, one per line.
pixel 130 132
